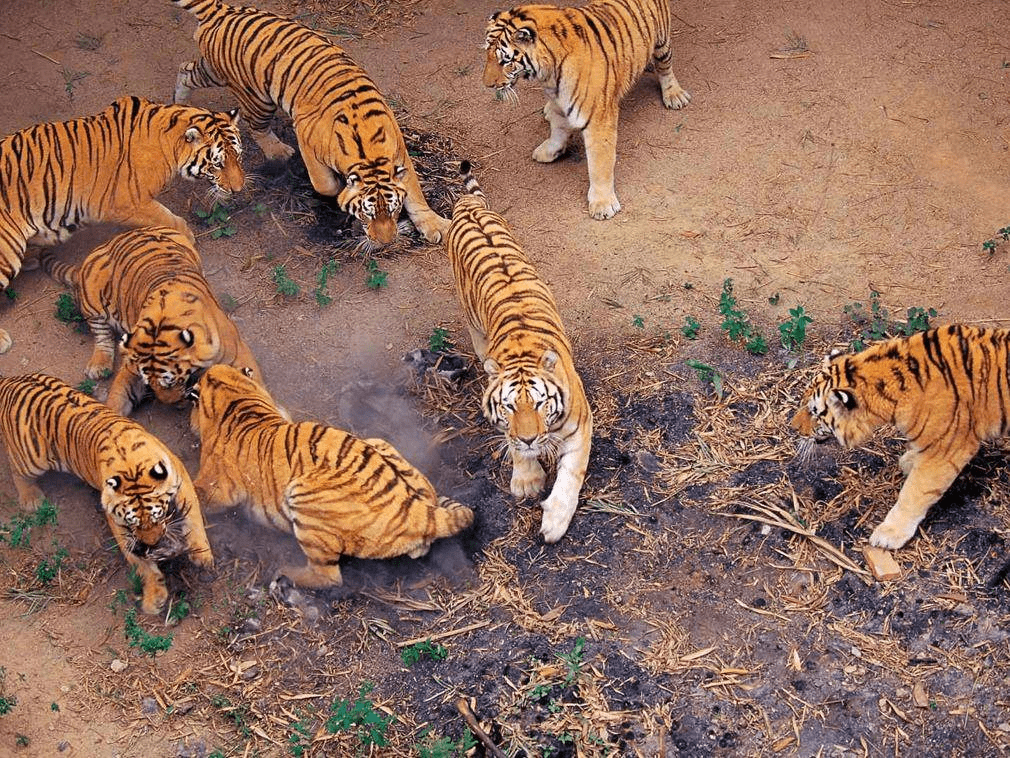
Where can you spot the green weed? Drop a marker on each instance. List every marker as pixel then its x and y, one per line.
pixel 707 375
pixel 439 341
pixel 219 218
pixel 322 278
pixel 11 294
pixel 573 661
pixel 67 310
pixel 239 714
pixel 793 331
pixel 413 653
pixel 737 324
pixel 87 386
pixel 876 324
pixel 774 299
pixel 22 740
pixel 285 284
pixel 140 638
pixel 70 80
pixel 638 321
pixel 299 739
pixel 7 702
pixel 48 568
pixel 180 609
pixel 17 532
pixel 88 42
pixel 443 747
pixel 376 278
pixel 690 328
pixel 359 716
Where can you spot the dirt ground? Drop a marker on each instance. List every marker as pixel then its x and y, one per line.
pixel 710 597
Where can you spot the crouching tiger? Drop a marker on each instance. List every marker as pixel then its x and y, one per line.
pixel 947 390
pixel 148 498
pixel 339 494
pixel 148 286
pixel 534 394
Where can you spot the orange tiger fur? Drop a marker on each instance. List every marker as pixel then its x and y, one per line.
pixel 148 498
pixel 534 394
pixel 342 122
pixel 947 390
pixel 586 59
pixel 148 286
pixel 107 167
pixel 339 494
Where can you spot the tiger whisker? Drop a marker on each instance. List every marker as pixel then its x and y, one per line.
pixel 804 450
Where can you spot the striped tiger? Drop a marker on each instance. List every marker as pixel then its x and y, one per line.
pixel 148 498
pixel 343 124
pixel 586 59
pixel 534 394
pixel 338 494
pixel 947 390
pixel 107 167
pixel 147 285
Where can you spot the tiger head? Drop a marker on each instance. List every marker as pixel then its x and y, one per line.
pixel 527 405
pixel 373 193
pixel 513 43
pixel 140 482
pixel 210 147
pixel 833 406
pixel 173 342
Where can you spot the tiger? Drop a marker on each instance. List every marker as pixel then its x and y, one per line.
pixel 342 123
pixel 946 389
pixel 534 394
pixel 586 59
pixel 108 167
pixel 147 286
pixel 338 494
pixel 147 496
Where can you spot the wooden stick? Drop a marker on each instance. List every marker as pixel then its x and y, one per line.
pixel 443 635
pixel 471 721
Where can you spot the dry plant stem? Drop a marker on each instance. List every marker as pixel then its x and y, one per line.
pixel 471 721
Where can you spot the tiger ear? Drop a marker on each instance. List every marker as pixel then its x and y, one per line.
pixel 124 341
pixel 192 134
pixel 113 482
pixel 548 360
pixel 233 116
pixel 159 471
pixel 187 337
pixel 353 180
pixel 525 35
pixel 844 398
pixel 491 367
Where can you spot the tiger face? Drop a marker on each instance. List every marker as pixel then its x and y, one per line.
pixel 830 409
pixel 511 45
pixel 527 406
pixel 214 150
pixel 374 195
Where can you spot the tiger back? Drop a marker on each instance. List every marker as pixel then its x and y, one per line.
pixel 586 59
pixel 146 494
pixel 123 158
pixel 534 394
pixel 945 389
pixel 338 494
pixel 342 121
pixel 148 286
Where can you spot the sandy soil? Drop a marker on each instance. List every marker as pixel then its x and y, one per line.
pixel 829 150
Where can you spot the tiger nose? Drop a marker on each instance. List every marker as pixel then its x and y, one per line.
pixel 527 440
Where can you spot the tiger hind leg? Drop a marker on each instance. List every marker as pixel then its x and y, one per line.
pixel 554 146
pixel 314 575
pixel 674 96
pixel 194 75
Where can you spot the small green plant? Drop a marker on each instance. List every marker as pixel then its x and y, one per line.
pixel 218 217
pixel 299 739
pixel 793 331
pixel 690 328
pixel 413 653
pixel 442 747
pixel 638 321
pixel 11 294
pixel 237 713
pixel 707 375
pixel 7 702
pixel 359 716
pixel 989 246
pixel 67 310
pixel 70 80
pixel 17 532
pixel 376 278
pixel 573 661
pixel 180 609
pixel 48 568
pixel 774 299
pixel 87 386
pixel 322 278
pixel 439 341
pixel 89 42
pixel 877 324
pixel 54 707
pixel 134 581
pixel 22 740
pixel 737 324
pixel 285 284
pixel 140 638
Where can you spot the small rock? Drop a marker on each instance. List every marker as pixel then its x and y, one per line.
pixel 149 705
pixel 118 666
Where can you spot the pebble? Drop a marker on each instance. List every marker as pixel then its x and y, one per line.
pixel 118 666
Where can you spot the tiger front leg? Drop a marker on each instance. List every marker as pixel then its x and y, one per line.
pixel 104 355
pixel 551 148
pixel 528 476
pixel 193 530
pixel 928 479
pixel 600 137
pixel 152 213
pixel 560 505
pixel 126 391
pixel 155 593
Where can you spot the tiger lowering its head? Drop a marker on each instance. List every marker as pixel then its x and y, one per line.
pixel 339 494
pixel 107 167
pixel 534 394
pixel 147 496
pixel 586 59
pixel 947 390
pixel 148 286
pixel 343 124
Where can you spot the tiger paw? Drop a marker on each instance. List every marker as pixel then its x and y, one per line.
pixel 155 595
pixel 892 535
pixel 604 207
pixel 6 341
pixel 557 516
pixel 676 98
pixel 528 478
pixel 547 152
pixel 99 367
